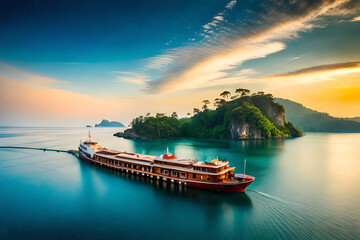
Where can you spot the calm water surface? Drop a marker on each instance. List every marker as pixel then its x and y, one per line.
pixel 305 188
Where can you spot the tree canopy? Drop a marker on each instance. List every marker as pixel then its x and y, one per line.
pixel 215 123
pixel 225 94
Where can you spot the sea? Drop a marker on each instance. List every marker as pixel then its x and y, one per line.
pixel 304 188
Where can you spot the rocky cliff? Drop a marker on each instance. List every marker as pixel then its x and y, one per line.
pixel 247 121
pixel 243 130
pixel 129 133
pixel 273 111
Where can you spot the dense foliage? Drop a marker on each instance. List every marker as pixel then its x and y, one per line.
pixel 252 110
pixel 157 127
pixel 118 134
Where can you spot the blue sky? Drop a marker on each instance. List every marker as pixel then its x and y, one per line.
pixel 171 50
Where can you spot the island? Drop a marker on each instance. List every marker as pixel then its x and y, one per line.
pixel 118 134
pixel 88 126
pixel 243 116
pixel 107 123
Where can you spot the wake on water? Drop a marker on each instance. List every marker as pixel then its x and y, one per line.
pixel 270 196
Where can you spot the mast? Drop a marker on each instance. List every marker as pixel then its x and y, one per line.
pixel 89 140
pixel 244 166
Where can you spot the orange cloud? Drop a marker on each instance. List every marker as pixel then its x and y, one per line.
pixel 29 103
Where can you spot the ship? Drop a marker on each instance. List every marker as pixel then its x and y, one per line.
pixel 211 175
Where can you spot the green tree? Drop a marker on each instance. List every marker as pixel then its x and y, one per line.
pixel 239 90
pixel 174 115
pixel 225 94
pixel 205 102
pixel 219 102
pixel 160 115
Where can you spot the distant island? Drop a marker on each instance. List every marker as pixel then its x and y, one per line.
pixel 107 123
pixel 308 120
pixel 241 116
pixel 88 126
pixel 356 119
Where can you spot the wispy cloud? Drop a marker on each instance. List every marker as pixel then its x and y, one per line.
pixel 355 19
pixel 160 61
pixel 218 18
pixel 335 67
pixel 231 4
pixel 209 61
pixel 314 74
pixel 28 76
pixel 131 77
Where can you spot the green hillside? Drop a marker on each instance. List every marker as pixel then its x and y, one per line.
pixel 308 120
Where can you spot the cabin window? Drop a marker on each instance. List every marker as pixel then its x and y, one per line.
pixel 175 174
pixel 183 175
pixel 166 172
pixel 194 175
pixel 208 178
pixel 201 177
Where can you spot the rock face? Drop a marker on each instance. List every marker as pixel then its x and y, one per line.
pixel 107 123
pixel 262 119
pixel 272 111
pixel 240 131
pixel 275 116
pixel 129 133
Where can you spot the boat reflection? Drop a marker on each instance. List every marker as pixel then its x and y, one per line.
pixel 170 189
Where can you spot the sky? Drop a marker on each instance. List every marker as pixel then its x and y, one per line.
pixel 73 63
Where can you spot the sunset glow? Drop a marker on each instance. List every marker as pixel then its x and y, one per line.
pixel 309 55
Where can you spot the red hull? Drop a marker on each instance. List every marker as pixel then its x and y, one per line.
pixel 236 187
